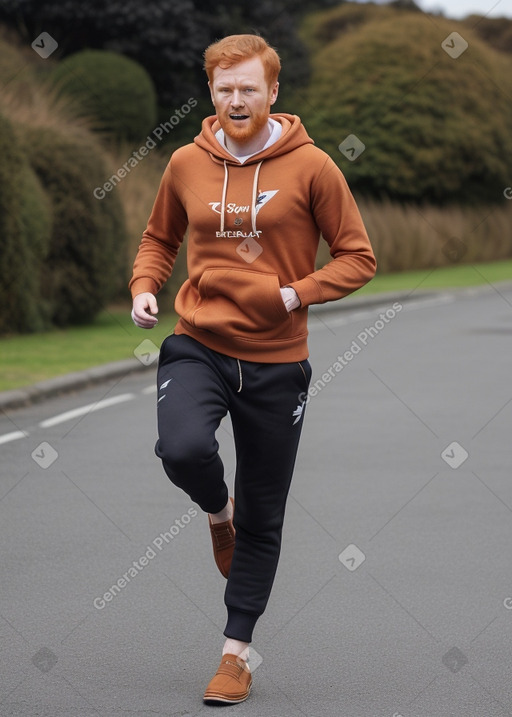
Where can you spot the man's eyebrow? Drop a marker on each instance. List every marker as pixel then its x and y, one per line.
pixel 247 81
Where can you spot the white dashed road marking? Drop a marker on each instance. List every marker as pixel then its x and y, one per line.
pixel 77 413
pixel 83 410
pixel 12 436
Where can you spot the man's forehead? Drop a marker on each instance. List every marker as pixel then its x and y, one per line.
pixel 248 70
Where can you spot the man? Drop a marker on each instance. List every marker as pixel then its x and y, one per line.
pixel 255 195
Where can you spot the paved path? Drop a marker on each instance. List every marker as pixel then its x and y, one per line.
pixel 394 592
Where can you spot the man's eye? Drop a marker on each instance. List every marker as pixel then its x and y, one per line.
pixel 249 89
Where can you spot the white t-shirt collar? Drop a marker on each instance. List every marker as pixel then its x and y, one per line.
pixel 275 133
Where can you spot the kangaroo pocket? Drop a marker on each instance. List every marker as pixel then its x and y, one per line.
pixel 234 302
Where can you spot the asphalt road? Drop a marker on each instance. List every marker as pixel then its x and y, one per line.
pixel 394 591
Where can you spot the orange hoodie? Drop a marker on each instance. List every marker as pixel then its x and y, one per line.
pixel 253 228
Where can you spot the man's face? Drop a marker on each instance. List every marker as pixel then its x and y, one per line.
pixel 242 98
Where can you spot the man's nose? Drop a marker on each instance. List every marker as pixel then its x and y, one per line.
pixel 237 100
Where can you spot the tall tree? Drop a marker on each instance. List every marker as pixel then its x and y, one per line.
pixel 167 37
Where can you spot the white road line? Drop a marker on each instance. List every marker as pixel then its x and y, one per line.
pixel 77 412
pixel 149 389
pixel 14 436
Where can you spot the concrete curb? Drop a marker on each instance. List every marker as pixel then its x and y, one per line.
pixel 70 382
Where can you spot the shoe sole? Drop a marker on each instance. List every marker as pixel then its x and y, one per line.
pixel 218 700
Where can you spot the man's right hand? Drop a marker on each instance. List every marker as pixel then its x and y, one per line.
pixel 144 310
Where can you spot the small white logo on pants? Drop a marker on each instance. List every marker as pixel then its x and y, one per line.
pixel 298 413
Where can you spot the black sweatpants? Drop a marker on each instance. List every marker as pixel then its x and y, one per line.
pixel 197 387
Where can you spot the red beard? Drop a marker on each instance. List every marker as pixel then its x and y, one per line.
pixel 255 124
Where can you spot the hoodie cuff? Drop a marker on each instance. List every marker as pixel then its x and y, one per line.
pixel 143 285
pixel 308 291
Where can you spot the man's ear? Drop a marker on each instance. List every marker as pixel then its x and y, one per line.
pixel 211 93
pixel 274 92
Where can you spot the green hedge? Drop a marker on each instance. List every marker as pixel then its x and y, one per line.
pixel 11 263
pixel 16 70
pixel 116 92
pixel 36 222
pixel 24 232
pixel 436 128
pixel 86 262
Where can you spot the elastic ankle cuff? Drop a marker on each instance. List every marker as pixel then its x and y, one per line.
pixel 240 625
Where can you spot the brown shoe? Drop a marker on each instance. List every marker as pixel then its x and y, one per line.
pixel 223 539
pixel 231 684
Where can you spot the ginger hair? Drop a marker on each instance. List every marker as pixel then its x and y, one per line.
pixel 238 48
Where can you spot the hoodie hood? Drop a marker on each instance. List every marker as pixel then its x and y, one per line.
pixel 293 135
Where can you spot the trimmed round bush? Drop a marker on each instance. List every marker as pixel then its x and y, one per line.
pixel 11 60
pixel 114 91
pixel 11 258
pixel 24 231
pixel 436 127
pixel 16 70
pixel 36 222
pixel 86 261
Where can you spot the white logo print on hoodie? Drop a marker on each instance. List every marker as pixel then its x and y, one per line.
pixel 259 199
pixel 233 208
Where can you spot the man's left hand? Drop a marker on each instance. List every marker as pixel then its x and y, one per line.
pixel 290 298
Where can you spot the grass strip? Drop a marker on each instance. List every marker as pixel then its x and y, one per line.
pixel 113 336
pixel 442 278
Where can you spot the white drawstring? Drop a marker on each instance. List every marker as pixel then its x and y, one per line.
pixel 224 192
pixel 239 375
pixel 255 197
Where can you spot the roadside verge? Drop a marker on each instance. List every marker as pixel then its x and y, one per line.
pixel 76 381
